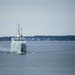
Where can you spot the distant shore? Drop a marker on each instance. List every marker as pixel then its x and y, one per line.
pixel 43 38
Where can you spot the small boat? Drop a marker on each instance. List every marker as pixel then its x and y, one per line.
pixel 18 43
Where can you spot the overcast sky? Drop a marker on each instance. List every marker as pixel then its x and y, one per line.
pixel 37 17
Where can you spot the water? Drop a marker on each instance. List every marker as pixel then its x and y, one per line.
pixel 42 58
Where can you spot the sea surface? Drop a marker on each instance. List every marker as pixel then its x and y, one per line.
pixel 42 58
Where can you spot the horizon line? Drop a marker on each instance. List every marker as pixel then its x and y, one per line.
pixel 38 35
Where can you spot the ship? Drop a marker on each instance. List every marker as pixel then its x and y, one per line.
pixel 18 43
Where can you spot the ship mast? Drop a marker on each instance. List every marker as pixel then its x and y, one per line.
pixel 21 32
pixel 18 35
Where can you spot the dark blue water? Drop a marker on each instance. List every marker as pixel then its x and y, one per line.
pixel 42 58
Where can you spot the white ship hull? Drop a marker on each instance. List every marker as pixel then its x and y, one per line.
pixel 18 45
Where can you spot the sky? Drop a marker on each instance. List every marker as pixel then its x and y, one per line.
pixel 37 17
